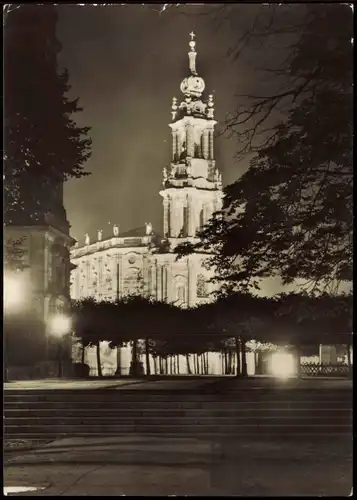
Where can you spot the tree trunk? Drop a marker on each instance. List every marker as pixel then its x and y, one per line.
pixel 99 363
pixel 118 370
pixel 171 365
pixel 155 364
pixel 230 358
pixel 147 357
pixel 205 363
pixel 225 363
pixel 178 364
pixel 238 371
pixel 255 362
pixel 166 365
pixel 161 366
pixel 83 354
pixel 134 352
pixel 222 362
pixel 244 357
pixel 189 371
pixel 349 359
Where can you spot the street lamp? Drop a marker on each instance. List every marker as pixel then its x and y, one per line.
pixel 13 291
pixel 59 326
pixel 283 365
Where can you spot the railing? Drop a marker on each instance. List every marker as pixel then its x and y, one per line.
pixel 322 370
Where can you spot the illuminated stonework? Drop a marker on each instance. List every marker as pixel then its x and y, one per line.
pixel 142 261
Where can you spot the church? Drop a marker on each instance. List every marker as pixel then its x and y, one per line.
pixel 143 260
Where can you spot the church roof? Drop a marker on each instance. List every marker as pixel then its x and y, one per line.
pixel 134 233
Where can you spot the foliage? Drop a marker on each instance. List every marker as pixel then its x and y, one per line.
pixel 290 214
pixel 43 145
pixel 325 318
pixel 215 327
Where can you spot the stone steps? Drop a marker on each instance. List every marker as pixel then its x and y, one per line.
pixel 54 414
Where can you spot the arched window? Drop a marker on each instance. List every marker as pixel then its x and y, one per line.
pixel 181 294
pixel 185 222
pixel 201 289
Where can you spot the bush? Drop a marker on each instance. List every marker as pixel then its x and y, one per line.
pixel 81 370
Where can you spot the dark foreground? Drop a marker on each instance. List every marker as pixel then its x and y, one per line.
pixel 285 448
pixel 181 466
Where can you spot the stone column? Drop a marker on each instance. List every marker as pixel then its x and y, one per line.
pixel 164 283
pixel 205 144
pixel 189 216
pixel 211 152
pixel 146 274
pixel 191 283
pixel 174 145
pixel 172 217
pixel 166 221
pixel 158 282
pixel 200 145
pixel 169 297
pixel 190 140
pixel 193 217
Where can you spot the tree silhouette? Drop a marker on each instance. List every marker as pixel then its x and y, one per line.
pixel 290 214
pixel 43 146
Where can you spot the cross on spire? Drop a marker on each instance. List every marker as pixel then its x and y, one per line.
pixel 192 35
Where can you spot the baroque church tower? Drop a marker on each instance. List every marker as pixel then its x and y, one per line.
pixel 192 183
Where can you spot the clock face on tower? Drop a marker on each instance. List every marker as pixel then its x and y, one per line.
pixel 194 84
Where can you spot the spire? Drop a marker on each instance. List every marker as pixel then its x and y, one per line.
pixel 193 85
pixel 192 54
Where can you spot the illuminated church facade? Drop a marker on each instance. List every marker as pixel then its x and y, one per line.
pixel 143 260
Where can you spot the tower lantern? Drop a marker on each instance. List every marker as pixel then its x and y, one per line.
pixel 192 184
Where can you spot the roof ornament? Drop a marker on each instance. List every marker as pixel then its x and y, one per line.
pixel 210 111
pixel 174 108
pixel 87 239
pixel 100 235
pixel 116 230
pixel 148 228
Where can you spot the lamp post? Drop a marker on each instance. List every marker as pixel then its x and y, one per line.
pixel 14 297
pixel 59 327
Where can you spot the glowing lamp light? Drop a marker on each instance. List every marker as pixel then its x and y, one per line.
pixel 60 325
pixel 283 365
pixel 14 293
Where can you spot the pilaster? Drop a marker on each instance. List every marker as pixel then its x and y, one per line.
pixel 205 144
pixel 190 143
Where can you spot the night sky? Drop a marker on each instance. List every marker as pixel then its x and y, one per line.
pixel 126 64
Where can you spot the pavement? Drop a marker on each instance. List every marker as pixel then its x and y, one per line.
pixel 150 466
pixel 256 382
pixel 165 465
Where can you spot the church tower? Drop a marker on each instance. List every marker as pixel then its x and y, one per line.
pixel 192 183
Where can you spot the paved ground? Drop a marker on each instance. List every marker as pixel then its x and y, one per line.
pixel 155 466
pixel 181 383
pixel 52 383
pixel 149 466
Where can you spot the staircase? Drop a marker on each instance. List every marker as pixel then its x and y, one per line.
pixel 309 414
